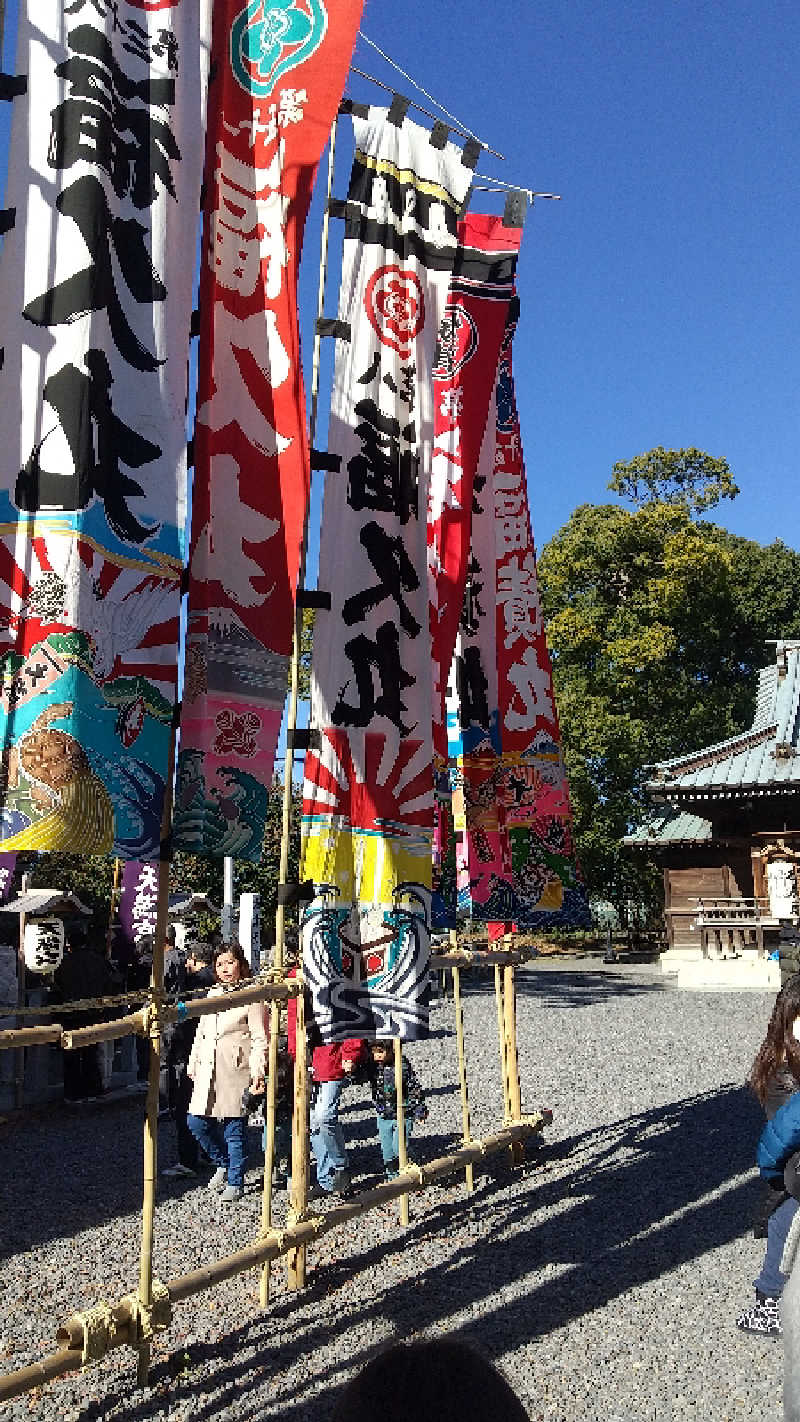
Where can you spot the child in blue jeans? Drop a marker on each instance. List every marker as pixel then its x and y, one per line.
pixel 380 1072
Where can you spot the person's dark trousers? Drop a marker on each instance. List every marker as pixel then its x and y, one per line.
pixel 224 1141
pixel 142 1058
pixel 82 1076
pixel 188 1153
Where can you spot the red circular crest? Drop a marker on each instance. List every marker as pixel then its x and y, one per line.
pixel 396 307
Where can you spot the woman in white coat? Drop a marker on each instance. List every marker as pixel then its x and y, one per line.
pixel 228 1056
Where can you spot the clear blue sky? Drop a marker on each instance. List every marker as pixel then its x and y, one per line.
pixel 660 296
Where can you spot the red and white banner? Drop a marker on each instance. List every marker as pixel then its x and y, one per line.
pixel 464 374
pixel 105 173
pixel 368 793
pixel 279 73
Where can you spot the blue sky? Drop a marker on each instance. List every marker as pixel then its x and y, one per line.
pixel 660 296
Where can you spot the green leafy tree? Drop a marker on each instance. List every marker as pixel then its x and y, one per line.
pixel 657 624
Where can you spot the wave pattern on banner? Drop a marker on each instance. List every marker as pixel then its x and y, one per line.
pixel 280 71
pixel 96 286
pixel 368 792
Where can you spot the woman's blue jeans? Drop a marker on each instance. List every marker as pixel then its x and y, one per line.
pixel 771 1281
pixel 327 1137
pixel 224 1141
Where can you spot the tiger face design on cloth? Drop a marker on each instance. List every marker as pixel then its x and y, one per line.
pixel 367 964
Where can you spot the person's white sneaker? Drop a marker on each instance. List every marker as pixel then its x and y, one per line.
pixel 219 1179
pixel 232 1192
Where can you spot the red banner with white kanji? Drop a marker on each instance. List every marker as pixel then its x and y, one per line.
pixel 279 71
pixel 464 373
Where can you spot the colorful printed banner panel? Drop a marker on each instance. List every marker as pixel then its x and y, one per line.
pixel 95 287
pixel 368 793
pixel 518 860
pixel 279 73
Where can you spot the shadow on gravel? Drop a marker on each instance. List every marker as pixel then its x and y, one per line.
pixel 570 987
pixel 611 1209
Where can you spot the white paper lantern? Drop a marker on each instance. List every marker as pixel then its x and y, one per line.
pixel 43 944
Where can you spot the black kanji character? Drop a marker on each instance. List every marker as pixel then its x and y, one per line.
pixel 384 476
pixel 478 486
pixel 98 442
pixel 408 385
pixel 472 610
pixel 94 125
pixel 370 374
pixel 167 45
pixel 384 655
pixel 103 8
pixel 94 288
pixel 473 689
pixel 396 572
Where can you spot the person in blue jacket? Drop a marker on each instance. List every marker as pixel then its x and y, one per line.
pixel 775 1079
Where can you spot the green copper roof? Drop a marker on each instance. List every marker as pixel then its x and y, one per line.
pixel 670 826
pixel 763 760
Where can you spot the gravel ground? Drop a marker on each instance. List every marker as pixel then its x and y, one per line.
pixel 603 1275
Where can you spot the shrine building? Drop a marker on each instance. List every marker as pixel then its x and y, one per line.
pixel 725 827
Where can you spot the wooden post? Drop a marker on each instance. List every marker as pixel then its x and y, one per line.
pixel 150 1166
pixel 501 1040
pixel 269 1144
pixel 19 1064
pixel 112 908
pixel 466 1133
pixel 512 1063
pixel 402 1153
pixel 298 1198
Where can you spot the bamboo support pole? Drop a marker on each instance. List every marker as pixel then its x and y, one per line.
pixel 402 1151
pixel 153 1026
pixel 501 1040
pixel 269 1143
pixel 55 1365
pixel 466 1128
pixel 512 1062
pixel 19 1062
pixel 295 1237
pixel 31 1036
pixel 298 1194
pixel 302 1232
pixel 112 908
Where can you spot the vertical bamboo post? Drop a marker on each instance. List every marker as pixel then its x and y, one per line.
pixel 112 908
pixel 501 1040
pixel 269 1144
pixel 19 1065
pixel 298 1199
pixel 150 1164
pixel 402 1153
pixel 300 1144
pixel 466 1130
pixel 512 1062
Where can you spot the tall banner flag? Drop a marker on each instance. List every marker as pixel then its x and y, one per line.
pixel 547 888
pixel 105 173
pixel 464 374
pixel 368 792
pixel 280 68
pixel 516 860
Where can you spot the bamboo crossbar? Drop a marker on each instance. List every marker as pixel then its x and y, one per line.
pixel 72 1038
pixel 270 1246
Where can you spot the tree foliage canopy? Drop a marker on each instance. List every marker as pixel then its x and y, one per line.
pixel 689 478
pixel 657 624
